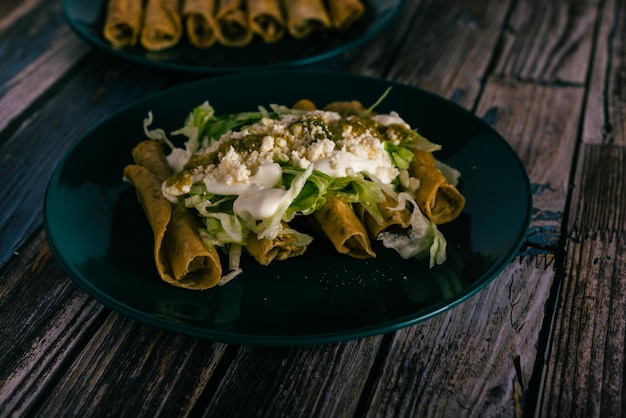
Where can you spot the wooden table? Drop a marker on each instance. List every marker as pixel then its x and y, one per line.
pixel 545 338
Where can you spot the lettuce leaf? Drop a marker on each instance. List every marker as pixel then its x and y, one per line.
pixel 422 240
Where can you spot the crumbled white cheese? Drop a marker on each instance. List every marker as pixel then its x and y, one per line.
pixel 299 140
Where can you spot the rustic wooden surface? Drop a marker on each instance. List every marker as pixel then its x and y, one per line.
pixel 546 338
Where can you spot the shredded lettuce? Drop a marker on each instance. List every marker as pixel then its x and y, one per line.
pixel 422 240
pixel 400 155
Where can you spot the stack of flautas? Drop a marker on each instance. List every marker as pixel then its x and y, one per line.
pixel 160 24
pixel 260 186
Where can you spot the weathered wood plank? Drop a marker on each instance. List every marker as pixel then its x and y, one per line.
pixel 130 369
pixel 44 317
pixel 549 41
pixel 79 104
pixel 451 48
pixel 55 61
pixel 13 11
pixel 474 360
pixel 596 121
pixel 484 355
pixel 616 87
pixel 449 51
pixel 316 381
pixel 47 322
pixel 584 375
pixel 585 371
pixel 53 50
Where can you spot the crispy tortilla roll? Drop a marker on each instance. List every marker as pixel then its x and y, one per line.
pixel 194 265
pixel 337 221
pixel 304 104
pixel 232 24
pixel 180 256
pixel 352 108
pixel 265 18
pixel 123 22
pixel 306 16
pixel 440 201
pixel 149 154
pixel 199 22
pixel 162 26
pixel 280 248
pixel 394 221
pixel 344 13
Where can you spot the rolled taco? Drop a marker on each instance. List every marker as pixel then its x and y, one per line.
pixel 306 16
pixel 346 108
pixel 439 200
pixel 199 22
pixel 344 13
pixel 123 22
pixel 284 246
pixel 265 18
pixel 180 256
pixel 395 221
pixel 149 154
pixel 231 23
pixel 337 221
pixel 162 26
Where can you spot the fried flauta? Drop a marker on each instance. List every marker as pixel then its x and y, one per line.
pixel 149 154
pixel 346 108
pixel 439 200
pixel 284 246
pixel 306 16
pixel 198 17
pixel 180 256
pixel 231 23
pixel 123 22
pixel 344 13
pixel 162 26
pixel 395 221
pixel 266 19
pixel 337 221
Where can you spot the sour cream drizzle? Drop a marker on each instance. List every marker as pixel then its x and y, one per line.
pixel 252 174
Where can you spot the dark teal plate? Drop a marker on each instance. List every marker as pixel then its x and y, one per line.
pixel 99 234
pixel 86 18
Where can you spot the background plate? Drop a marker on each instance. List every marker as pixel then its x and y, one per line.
pixel 86 18
pixel 100 236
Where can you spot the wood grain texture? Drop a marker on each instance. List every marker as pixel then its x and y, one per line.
pixel 545 338
pixel 51 131
pixel 130 369
pixel 449 51
pixel 474 360
pixel 546 41
pixel 44 318
pixel 315 381
pixel 587 352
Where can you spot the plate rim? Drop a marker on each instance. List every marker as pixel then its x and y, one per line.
pixel 386 326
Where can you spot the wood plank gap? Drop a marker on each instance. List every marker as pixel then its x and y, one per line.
pixel 495 57
pixel 206 397
pixel 537 384
pixel 607 128
pixel 376 371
